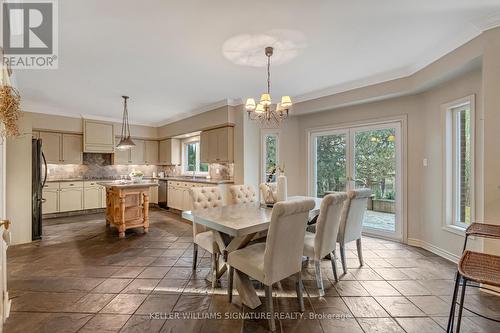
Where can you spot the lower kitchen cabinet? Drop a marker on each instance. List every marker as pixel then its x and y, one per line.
pixel 51 201
pixel 153 195
pixel 179 198
pixel 92 198
pixel 70 199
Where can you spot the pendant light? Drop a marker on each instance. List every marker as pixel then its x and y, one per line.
pixel 125 140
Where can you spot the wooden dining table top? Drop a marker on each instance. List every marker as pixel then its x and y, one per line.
pixel 240 219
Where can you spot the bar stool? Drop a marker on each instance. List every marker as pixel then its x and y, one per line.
pixel 475 267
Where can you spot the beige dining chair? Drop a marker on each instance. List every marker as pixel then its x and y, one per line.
pixel 242 194
pixel 324 241
pixel 206 198
pixel 351 222
pixel 280 256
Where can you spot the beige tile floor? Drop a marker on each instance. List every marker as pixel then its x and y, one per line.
pixel 82 278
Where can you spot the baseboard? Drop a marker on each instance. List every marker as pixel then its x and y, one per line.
pixel 434 249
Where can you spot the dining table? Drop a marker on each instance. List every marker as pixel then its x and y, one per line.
pixel 234 227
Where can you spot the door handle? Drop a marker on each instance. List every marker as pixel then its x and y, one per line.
pixel 43 200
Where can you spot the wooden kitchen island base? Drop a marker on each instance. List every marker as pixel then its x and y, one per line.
pixel 127 205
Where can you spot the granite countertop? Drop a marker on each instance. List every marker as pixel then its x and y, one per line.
pixel 126 184
pixel 179 179
pixel 198 180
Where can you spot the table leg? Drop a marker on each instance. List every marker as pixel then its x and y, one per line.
pixel 248 295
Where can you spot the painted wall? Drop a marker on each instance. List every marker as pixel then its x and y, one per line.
pixel 18 187
pixel 196 123
pixel 491 96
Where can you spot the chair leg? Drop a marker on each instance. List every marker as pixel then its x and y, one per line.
pixel 230 284
pixel 360 251
pixel 451 318
pixel 299 287
pixel 342 258
pixel 270 309
pixel 195 255
pixel 334 266
pixel 461 307
pixel 319 278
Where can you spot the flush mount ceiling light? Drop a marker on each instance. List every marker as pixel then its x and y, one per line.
pixel 125 140
pixel 264 111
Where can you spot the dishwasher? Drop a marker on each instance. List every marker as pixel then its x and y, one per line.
pixel 162 193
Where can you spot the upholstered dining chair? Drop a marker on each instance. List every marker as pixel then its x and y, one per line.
pixel 351 222
pixel 242 194
pixel 324 241
pixel 281 255
pixel 206 198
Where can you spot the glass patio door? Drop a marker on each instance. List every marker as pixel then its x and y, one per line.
pixel 362 157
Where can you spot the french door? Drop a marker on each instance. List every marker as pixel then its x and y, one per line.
pixel 362 157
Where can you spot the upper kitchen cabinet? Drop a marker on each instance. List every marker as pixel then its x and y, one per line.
pixel 62 148
pixel 72 145
pixel 216 145
pixel 98 136
pixel 151 152
pixel 137 152
pixel 170 152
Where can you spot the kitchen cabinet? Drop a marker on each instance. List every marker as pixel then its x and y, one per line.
pixel 50 195
pixel 72 151
pixel 92 198
pixel 170 152
pixel 137 152
pixel 151 152
pixel 70 196
pixel 103 196
pixel 134 155
pixel 92 195
pixel 98 136
pixel 62 148
pixel 179 198
pixel 216 145
pixel 51 146
pixel 153 195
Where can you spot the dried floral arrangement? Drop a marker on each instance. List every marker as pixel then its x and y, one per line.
pixel 10 110
pixel 10 105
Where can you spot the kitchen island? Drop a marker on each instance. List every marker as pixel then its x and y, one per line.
pixel 127 204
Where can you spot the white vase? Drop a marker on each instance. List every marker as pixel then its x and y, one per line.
pixel 282 190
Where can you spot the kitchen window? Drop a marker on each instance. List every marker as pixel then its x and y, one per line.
pixel 459 163
pixel 191 158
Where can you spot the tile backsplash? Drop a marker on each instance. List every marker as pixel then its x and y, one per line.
pixel 97 166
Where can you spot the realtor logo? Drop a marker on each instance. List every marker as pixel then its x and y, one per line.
pixel 29 37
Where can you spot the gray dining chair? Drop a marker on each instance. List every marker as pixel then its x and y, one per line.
pixel 324 241
pixel 280 256
pixel 206 198
pixel 351 222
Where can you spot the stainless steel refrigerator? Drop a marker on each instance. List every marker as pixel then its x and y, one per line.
pixel 38 178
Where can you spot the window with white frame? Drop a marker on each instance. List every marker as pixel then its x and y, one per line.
pixel 270 142
pixel 191 158
pixel 459 162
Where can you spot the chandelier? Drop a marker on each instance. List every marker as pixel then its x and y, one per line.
pixel 125 140
pixel 265 112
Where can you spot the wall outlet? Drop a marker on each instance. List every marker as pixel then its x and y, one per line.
pixel 425 162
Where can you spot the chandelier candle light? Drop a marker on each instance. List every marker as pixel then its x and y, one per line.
pixel 264 112
pixel 125 140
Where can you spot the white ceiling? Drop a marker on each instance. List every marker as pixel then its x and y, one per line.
pixel 168 55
